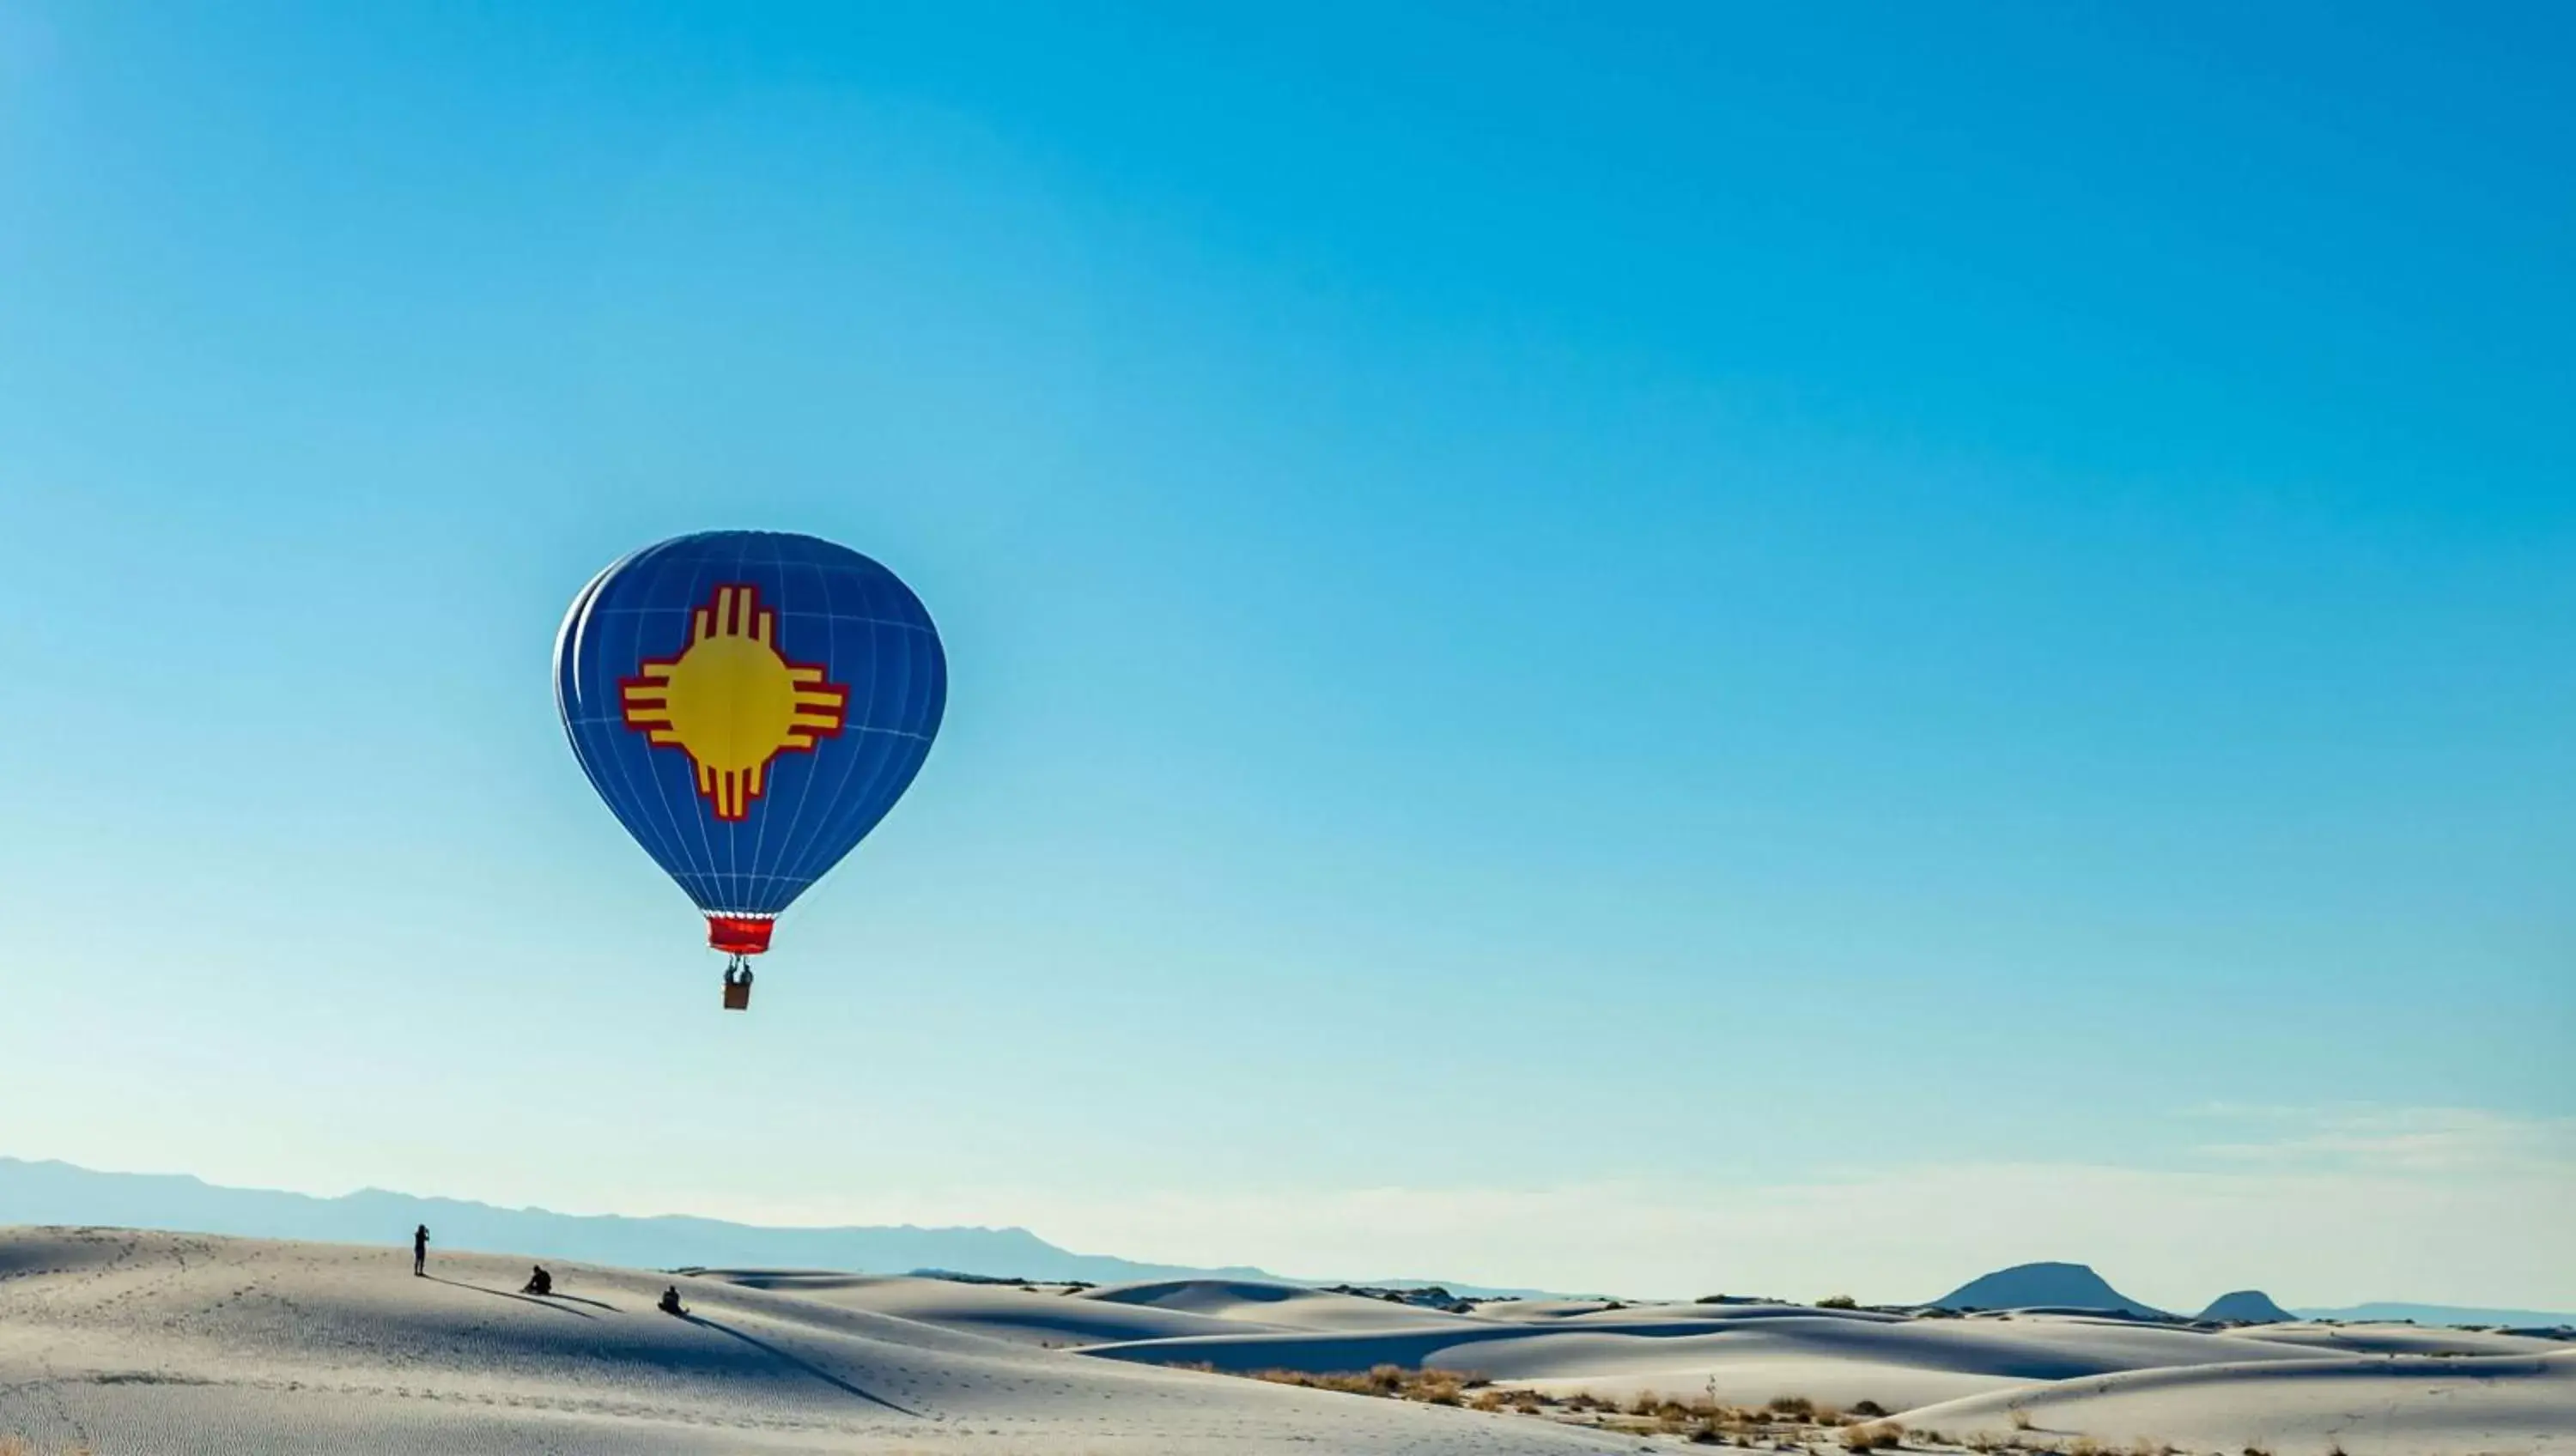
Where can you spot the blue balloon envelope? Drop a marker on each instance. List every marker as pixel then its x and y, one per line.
pixel 750 704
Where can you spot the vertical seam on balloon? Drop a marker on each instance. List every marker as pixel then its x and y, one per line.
pixel 700 586
pixel 870 803
pixel 729 862
pixel 791 864
pixel 856 819
pixel 674 840
pixel 899 759
pixel 578 628
pixel 656 766
pixel 784 605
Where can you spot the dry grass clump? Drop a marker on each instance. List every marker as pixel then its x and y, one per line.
pixel 1873 1436
pixel 1434 1387
pixel 2021 1419
pixel 1703 1420
pixel 21 1446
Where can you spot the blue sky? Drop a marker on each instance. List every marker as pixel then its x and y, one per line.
pixel 1556 617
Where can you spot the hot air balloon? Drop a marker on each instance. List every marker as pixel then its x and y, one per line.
pixel 750 704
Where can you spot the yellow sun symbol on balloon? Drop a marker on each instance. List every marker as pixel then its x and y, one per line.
pixel 732 701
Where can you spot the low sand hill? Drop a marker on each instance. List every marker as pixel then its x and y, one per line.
pixel 1285 1305
pixel 1050 1316
pixel 2388 1406
pixel 134 1342
pixel 167 1343
pixel 1747 1353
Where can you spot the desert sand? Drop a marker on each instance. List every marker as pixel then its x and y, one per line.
pixel 132 1342
pixel 145 1342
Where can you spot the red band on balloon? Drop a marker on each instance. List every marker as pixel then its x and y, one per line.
pixel 738 934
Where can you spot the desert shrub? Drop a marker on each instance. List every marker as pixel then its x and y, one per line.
pixel 2087 1446
pixel 1869 1408
pixel 2022 1422
pixel 1438 1387
pixel 1489 1400
pixel 1873 1436
pixel 1981 1441
pixel 1796 1407
pixel 1837 1301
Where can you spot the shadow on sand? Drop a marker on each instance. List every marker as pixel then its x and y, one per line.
pixel 810 1368
pixel 505 1294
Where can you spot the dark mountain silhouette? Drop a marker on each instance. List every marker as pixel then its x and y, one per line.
pixel 2250 1305
pixel 2050 1286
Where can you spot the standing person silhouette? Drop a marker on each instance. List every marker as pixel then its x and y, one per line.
pixel 420 1252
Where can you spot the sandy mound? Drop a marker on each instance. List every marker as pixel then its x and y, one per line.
pixel 2398 1340
pixel 144 1342
pixel 1748 1353
pixel 1045 1315
pixel 1287 1306
pixel 2400 1406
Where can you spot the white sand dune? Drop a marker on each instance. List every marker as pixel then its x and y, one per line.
pixel 2280 1387
pixel 2388 1406
pixel 1045 1316
pixel 147 1342
pixel 135 1342
pixel 2398 1340
pixel 1283 1305
pixel 1747 1352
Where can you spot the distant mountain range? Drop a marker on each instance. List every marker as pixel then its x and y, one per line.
pixel 59 1193
pixel 2445 1314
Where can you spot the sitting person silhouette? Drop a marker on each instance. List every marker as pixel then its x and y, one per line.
pixel 671 1301
pixel 540 1282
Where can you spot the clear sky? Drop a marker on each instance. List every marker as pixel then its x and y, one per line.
pixel 1784 648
